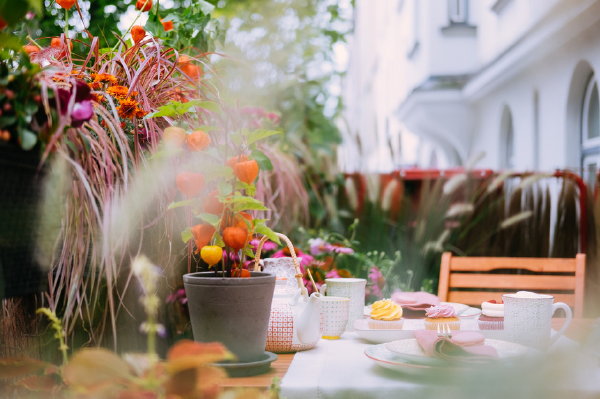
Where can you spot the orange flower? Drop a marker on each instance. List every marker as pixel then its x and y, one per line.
pixel 143 5
pixel 198 140
pixel 66 4
pixel 189 184
pixel 98 98
pixel 194 72
pixel 31 49
pixel 140 113
pixel 138 33
pixel 105 78
pixel 246 171
pixel 167 25
pixel 127 108
pixel 118 91
pixel 95 85
pixel 235 237
pixel 202 233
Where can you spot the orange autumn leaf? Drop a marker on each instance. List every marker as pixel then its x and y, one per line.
pixel 198 140
pixel 246 171
pixel 189 184
pixel 202 233
pixel 137 33
pixel 143 5
pixel 66 4
pixel 92 367
pixel 235 237
pixel 187 354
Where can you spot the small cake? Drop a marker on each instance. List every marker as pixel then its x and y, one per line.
pixel 386 315
pixel 492 316
pixel 441 315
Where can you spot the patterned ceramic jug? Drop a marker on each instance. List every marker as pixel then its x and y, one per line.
pixel 294 324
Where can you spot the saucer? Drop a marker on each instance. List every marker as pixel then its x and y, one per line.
pixel 247 369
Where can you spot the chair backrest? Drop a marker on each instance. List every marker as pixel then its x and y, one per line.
pixel 469 280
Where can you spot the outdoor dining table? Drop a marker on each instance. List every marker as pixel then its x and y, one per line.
pixel 340 369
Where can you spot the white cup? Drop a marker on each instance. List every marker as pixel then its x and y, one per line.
pixel 353 288
pixel 528 318
pixel 334 316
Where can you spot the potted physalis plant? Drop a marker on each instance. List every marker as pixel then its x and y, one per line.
pixel 217 170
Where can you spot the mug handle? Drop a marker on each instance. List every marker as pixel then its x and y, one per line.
pixel 566 323
pixel 322 289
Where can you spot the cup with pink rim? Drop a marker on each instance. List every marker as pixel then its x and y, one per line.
pixel 528 318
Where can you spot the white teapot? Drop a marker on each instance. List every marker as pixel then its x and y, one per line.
pixel 294 324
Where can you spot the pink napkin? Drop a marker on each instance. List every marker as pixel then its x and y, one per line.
pixel 456 348
pixel 415 302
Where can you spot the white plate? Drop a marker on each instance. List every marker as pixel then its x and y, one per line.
pixel 377 336
pixel 407 355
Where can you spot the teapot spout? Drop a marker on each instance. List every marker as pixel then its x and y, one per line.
pixel 309 321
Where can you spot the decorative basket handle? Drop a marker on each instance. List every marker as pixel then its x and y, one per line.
pixel 290 246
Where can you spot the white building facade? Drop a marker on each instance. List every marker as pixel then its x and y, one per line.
pixel 515 80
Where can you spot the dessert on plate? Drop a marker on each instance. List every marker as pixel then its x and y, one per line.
pixel 386 315
pixel 440 315
pixel 492 316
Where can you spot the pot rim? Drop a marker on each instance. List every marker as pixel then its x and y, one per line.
pixel 209 278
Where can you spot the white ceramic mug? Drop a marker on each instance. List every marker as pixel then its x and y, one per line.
pixel 528 318
pixel 334 316
pixel 353 288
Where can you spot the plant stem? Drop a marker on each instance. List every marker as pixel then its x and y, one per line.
pixel 66 24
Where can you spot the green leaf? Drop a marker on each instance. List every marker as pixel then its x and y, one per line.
pixel 218 239
pixel 225 188
pixel 248 252
pixel 209 218
pixel 186 235
pixel 263 161
pixel 179 204
pixel 262 228
pixel 244 203
pixel 208 105
pixel 28 139
pixel 261 134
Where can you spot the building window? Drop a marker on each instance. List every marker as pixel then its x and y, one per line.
pixel 507 140
pixel 458 11
pixel 590 132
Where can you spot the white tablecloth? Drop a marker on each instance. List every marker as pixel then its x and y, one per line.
pixel 340 369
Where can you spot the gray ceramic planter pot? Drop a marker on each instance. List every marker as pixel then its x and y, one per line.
pixel 233 311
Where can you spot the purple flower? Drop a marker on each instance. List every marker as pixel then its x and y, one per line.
pixel 82 112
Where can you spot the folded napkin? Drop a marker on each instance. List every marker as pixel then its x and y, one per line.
pixel 415 303
pixel 464 346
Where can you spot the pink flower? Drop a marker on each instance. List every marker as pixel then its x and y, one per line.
pixel 317 246
pixel 333 273
pixel 177 296
pixel 268 246
pixel 340 249
pixel 305 259
pixel 82 112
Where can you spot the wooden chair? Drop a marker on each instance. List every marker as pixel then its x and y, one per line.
pixel 468 280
